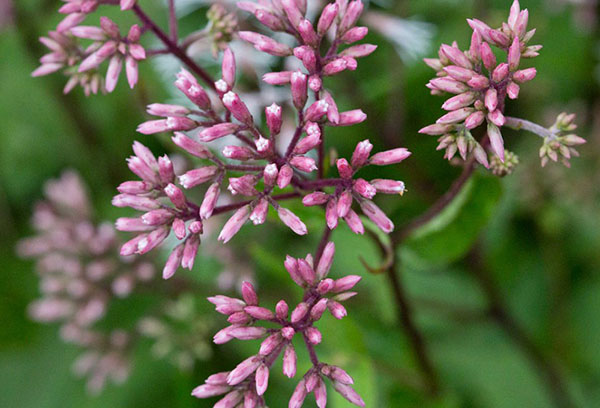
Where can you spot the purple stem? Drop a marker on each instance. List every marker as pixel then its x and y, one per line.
pixel 172 46
pixel 173 21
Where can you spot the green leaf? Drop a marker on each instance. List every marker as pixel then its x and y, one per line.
pixel 449 236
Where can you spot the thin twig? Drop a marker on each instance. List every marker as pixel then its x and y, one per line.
pixel 173 22
pixel 173 48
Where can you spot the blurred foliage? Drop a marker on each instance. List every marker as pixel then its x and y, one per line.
pixel 536 232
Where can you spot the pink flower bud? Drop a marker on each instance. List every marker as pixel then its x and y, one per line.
pixel 353 12
pixel 248 332
pixel 513 90
pixel 259 213
pixel 176 196
pixel 336 309
pixel 308 57
pixel 209 390
pixel 500 73
pixel 269 19
pixel 475 46
pixel 292 221
pixel 479 82
pixel 328 14
pixel 291 265
pixel 277 78
pixel 234 224
pixel 289 364
pixel 160 109
pixel 362 187
pixel 344 203
pixel 344 168
pixel 299 89
pixel 135 202
pixel 525 75
pixel 132 225
pixel 331 214
pixel 456 56
pixel 243 370
pixel 197 176
pixel 307 32
pixel 217 131
pixel 306 272
pixel 95 59
pixel 359 51
pixel 348 392
pixel 335 67
pixel 346 283
pixel 188 84
pixel 259 313
pixel 496 140
pixel 312 140
pixel 388 186
pixel 474 120
pixel 499 38
pixel 457 102
pixel 389 157
pixel 377 216
pixel 191 146
pixel 127 4
pixel 265 44
pixel 354 34
pixel 459 73
pixel 316 198
pixel 157 217
pixel 497 118
pixel 354 222
pixel 491 99
pixel 315 83
pixel 228 67
pixel 270 174
pixel 285 176
pixel 487 56
pixel 299 312
pixel 238 318
pixel 189 252
pixel 361 154
pixel 449 85
pixel 273 114
pixel 270 344
pixel 352 117
pixel 281 310
pixel 243 185
pixel 173 262
pixel 325 286
pixel 515 9
pixel 292 11
pixel 303 163
pixel 89 32
pixel 152 240
pixel 135 187
pixel 249 294
pixel 238 109
pixel 314 335
pixel 262 379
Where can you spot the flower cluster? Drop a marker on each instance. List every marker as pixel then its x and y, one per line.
pixel 77 10
pixel 81 65
pixel 247 383
pixel 268 164
pixel 481 85
pixel 562 141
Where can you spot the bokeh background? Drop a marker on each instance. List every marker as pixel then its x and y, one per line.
pixel 528 244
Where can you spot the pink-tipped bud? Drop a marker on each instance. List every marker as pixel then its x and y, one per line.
pixel 228 67
pixel 496 140
pixel 491 99
pixel 344 168
pixel 475 119
pixel 316 198
pixel 259 213
pixel 377 216
pixel 513 90
pixel 197 176
pixel 289 362
pixel 269 344
pixel 353 12
pixel 456 56
pixel 281 310
pixel 291 265
pixel 354 222
pixel 303 163
pixel 328 14
pixel 487 56
pixel 307 32
pixel 243 370
pixel 191 146
pixel 238 109
pixel 249 294
pixel 299 312
pixel 314 335
pixel 176 196
pixel 459 101
pixel 273 115
pixel 292 221
pixel 336 309
pixel 479 82
pixel 259 313
pixel 388 186
pixel 335 67
pixel 325 261
pixel 359 51
pixel 346 283
pixel 352 117
pixel 188 84
pixel 270 174
pixel 354 34
pixel 277 78
pixel 331 214
pixel 299 88
pixel 344 203
pixel 361 154
pixel 173 262
pixel 285 176
pixel 389 157
pixel 234 224
pixel 262 379
pixel 325 286
pixel 497 118
pixel 525 75
pixel 364 188
pixel 500 73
